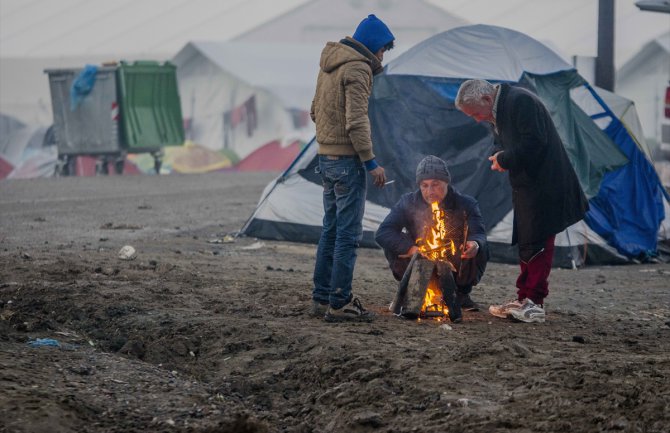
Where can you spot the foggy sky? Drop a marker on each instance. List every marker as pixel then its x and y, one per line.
pixel 60 28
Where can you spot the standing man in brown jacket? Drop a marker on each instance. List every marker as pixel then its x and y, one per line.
pixel 340 111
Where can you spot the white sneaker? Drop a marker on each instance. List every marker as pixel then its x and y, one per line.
pixel 529 312
pixel 503 310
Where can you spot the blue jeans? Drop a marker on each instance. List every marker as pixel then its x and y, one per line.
pixel 344 188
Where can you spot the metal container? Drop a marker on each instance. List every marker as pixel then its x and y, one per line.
pixel 92 128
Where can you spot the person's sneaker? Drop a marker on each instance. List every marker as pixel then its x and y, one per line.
pixel 503 310
pixel 529 312
pixel 466 303
pixel 319 309
pixel 352 311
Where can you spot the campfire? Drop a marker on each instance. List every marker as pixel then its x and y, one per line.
pixel 427 289
pixel 443 238
pixel 435 245
pixel 439 244
pixel 433 305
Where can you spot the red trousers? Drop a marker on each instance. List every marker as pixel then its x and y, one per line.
pixel 533 281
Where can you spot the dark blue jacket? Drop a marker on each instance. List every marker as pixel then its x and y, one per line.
pixel 412 213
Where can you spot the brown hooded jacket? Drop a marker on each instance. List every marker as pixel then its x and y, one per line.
pixel 340 105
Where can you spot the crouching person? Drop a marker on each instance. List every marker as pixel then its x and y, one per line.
pixel 408 218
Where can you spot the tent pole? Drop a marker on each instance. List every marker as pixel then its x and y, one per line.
pixel 246 223
pixel 279 180
pixel 605 61
pixel 600 101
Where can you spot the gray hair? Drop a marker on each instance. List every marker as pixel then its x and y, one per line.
pixel 472 91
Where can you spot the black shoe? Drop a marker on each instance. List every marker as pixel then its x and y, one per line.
pixel 319 309
pixel 353 311
pixel 466 303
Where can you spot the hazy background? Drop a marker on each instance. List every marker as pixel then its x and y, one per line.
pixel 261 57
pixel 58 28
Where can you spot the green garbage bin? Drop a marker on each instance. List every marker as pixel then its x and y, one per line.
pixel 150 106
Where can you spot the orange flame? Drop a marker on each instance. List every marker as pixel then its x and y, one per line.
pixel 433 300
pixel 435 246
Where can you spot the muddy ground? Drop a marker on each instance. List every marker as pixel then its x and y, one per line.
pixel 196 336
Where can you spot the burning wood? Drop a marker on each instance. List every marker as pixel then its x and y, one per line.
pixel 433 304
pixel 445 237
pixel 428 288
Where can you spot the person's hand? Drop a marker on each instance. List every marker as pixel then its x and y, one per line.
pixel 409 253
pixel 379 176
pixel 494 162
pixel 471 250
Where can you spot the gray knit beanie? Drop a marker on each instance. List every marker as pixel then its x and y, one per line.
pixel 432 167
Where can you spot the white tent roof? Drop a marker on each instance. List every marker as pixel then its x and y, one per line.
pixel 504 54
pixel 288 71
pixel 410 21
pixel 658 48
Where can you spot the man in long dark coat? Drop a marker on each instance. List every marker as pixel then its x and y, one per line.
pixel 546 193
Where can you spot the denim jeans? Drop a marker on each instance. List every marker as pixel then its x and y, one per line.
pixel 344 188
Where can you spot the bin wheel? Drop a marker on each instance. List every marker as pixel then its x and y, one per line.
pixel 101 166
pixel 59 170
pixel 72 166
pixel 157 164
pixel 66 166
pixel 118 165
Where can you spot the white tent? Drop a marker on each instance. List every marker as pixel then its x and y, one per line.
pixel 411 21
pixel 645 78
pixel 240 96
pixel 29 150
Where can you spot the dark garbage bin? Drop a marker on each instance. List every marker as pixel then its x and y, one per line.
pixel 110 111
